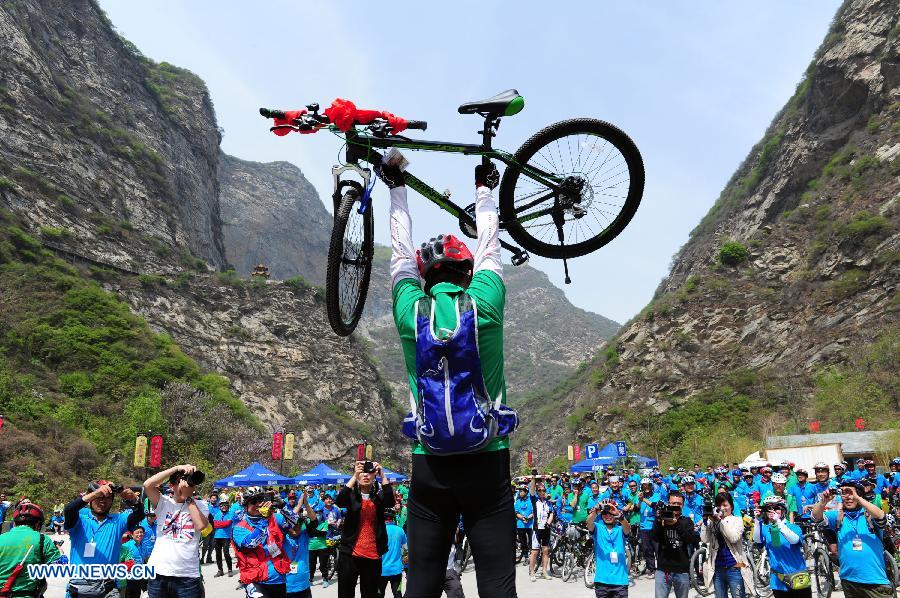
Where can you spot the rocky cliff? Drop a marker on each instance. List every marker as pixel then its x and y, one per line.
pixel 112 161
pixel 782 306
pixel 272 215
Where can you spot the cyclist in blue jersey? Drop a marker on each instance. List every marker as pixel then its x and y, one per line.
pixel 895 475
pixel 840 473
pixel 647 507
pixel 859 469
pixel 693 502
pixel 742 490
pixel 616 493
pixel 804 494
pixel 524 519
pixel 764 483
pixel 880 481
pixel 823 481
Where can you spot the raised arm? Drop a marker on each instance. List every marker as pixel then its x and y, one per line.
pixel 487 222
pixel 403 255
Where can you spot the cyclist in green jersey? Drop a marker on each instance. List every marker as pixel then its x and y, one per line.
pixel 441 277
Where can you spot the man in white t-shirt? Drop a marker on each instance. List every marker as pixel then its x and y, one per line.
pixel 179 521
pixel 543 523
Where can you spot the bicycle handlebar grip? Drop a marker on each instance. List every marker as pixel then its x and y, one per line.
pixel 416 124
pixel 269 113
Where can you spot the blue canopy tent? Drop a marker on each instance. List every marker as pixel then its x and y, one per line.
pixel 255 475
pixel 607 458
pixel 321 474
pixel 393 476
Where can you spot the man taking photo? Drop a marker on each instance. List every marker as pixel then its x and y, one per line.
pixel 610 572
pixel 96 534
pixel 180 519
pixel 673 534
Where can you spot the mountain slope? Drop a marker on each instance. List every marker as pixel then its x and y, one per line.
pixel 109 182
pixel 782 307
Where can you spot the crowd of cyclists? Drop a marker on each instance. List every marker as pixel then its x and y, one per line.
pixel 725 530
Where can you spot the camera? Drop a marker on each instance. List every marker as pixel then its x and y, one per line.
pixel 194 479
pixel 368 467
pixel 670 512
pixel 708 508
pixel 648 492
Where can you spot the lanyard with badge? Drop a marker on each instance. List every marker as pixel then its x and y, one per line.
pixel 613 555
pixel 856 541
pixel 90 548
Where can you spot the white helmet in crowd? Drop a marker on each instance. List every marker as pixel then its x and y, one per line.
pixel 775 501
pixel 688 479
pixel 779 478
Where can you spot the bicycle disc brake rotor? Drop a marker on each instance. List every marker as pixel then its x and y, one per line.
pixel 576 195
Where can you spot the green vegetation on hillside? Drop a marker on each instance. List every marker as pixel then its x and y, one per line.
pixel 80 375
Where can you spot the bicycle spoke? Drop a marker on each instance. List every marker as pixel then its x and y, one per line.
pixel 599 180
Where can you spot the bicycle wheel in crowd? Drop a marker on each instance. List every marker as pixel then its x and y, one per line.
pixel 331 565
pixel 823 576
pixel 349 261
pixel 893 571
pixel 589 573
pixel 762 571
pixel 695 571
pixel 600 176
pixel 568 565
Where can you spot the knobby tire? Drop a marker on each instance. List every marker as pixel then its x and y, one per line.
pixel 345 305
pixel 542 140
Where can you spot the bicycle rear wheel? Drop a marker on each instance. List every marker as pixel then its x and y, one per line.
pixel 349 261
pixel 893 571
pixel 568 565
pixel 695 571
pixel 599 173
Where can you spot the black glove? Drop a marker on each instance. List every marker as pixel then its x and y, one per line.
pixel 391 175
pixel 487 177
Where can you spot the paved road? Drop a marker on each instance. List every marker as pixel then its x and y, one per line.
pixel 227 586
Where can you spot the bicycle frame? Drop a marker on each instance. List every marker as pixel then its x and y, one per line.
pixel 363 147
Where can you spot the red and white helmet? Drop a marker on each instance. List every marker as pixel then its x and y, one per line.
pixel 443 249
pixel 29 510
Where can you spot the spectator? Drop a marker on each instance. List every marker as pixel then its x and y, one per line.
pixel 26 545
pixel 222 524
pixel 364 536
pixel 859 527
pixel 137 552
pixel 180 521
pixel 296 544
pixel 783 542
pixel 540 530
pixel 58 522
pixel 95 533
pixel 647 508
pixel 524 518
pixel 259 541
pixel 611 571
pixel 727 566
pixel 393 560
pixel 673 534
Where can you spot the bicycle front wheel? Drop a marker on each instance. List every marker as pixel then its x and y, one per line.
pixel 589 569
pixel 349 262
pixel 593 181
pixel 823 575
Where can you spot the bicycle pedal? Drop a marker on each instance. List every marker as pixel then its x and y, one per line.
pixel 519 259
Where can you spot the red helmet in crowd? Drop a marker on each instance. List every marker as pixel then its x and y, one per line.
pixel 445 249
pixel 28 510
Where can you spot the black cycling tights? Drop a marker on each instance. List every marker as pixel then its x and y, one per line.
pixel 478 488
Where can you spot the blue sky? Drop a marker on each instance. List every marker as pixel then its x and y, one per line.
pixel 694 84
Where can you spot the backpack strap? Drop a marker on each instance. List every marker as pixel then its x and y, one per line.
pixel 40 547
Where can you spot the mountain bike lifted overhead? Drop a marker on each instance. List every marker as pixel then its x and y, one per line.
pixel 569 190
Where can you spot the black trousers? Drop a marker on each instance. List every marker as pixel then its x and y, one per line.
pixel 648 548
pixel 353 568
pixel 524 535
pixel 478 488
pixel 321 556
pixel 271 590
pixel 395 581
pixel 207 549
pixel 222 547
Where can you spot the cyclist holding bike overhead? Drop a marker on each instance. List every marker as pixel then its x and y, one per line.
pixel 448 307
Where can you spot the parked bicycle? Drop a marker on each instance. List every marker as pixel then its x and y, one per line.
pixel 568 191
pixel 818 559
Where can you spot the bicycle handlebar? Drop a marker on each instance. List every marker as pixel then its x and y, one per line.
pixel 420 125
pixel 269 113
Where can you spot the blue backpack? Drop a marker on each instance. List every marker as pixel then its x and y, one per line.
pixel 453 413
